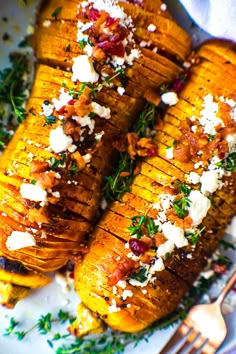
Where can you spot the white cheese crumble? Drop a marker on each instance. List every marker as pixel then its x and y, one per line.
pixel 210 182
pixel 47 109
pixel 170 98
pixel 122 284
pixel 165 248
pixel 193 178
pixel 33 192
pixel 19 239
pixel 85 121
pixel 158 266
pixel 208 119
pixel 170 153
pixel 63 99
pixel 151 27
pixel 127 293
pixel 83 70
pixel 113 307
pixel 87 158
pixel 121 90
pixel 175 234
pixel 100 110
pixel 46 23
pixel 199 206
pixel 59 141
pixel 163 7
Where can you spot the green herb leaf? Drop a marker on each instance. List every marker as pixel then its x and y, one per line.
pixel 183 188
pixel 193 236
pixel 57 163
pixel 56 12
pixel 49 120
pixel 45 323
pixel 11 327
pixel 229 163
pixel 228 245
pixel 139 275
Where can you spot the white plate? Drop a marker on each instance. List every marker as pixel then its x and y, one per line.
pixel 52 298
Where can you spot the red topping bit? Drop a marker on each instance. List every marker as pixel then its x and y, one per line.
pixel 71 102
pixel 152 152
pixel 180 82
pixel 121 271
pixel 93 14
pixel 109 21
pixel 222 155
pixel 137 247
pixel 219 268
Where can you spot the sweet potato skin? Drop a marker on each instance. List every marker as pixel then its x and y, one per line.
pixel 107 249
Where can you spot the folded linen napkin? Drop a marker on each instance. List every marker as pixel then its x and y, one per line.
pixel 217 17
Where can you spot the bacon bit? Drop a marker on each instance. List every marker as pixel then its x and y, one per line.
pixel 146 240
pixel 159 239
pixel 124 174
pixel 97 27
pixel 82 105
pixel 79 160
pixel 38 166
pixel 48 179
pixel 121 271
pixel 53 200
pixel 219 268
pixel 98 54
pixel 147 257
pixel 182 152
pixel 132 142
pixel 137 170
pixel 70 127
pixel 169 190
pixel 68 111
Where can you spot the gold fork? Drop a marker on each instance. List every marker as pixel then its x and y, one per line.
pixel 203 330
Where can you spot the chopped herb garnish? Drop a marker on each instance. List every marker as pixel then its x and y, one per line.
pixel 73 170
pixel 45 323
pixel 33 181
pixel 183 188
pixel 116 184
pixel 13 86
pixel 57 163
pixel 180 206
pixel 56 12
pixel 11 327
pixel 49 120
pixel 139 275
pixel 142 224
pixel 193 236
pixel 228 245
pixel 211 137
pixel 82 43
pixel 229 163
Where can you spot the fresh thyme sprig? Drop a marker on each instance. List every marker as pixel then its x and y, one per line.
pixel 117 184
pixel 229 163
pixel 13 85
pixel 142 222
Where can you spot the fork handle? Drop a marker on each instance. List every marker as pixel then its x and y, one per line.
pixel 227 288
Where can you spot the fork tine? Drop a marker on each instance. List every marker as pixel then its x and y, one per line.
pixel 199 345
pixel 177 339
pixel 189 342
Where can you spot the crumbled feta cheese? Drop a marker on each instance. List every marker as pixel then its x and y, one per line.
pixel 170 153
pixel 210 182
pixel 113 307
pixel 88 49
pixel 170 98
pixel 56 194
pixel 127 293
pixel 47 109
pixel 134 54
pixel 194 128
pixel 193 178
pixel 198 164
pixel 33 192
pixel 121 90
pixel 165 248
pixel 98 136
pixel 151 27
pixel 208 119
pixel 85 122
pixel 158 266
pixel 87 158
pixel 59 141
pixel 199 206
pixel 175 234
pixel 111 8
pixel 101 111
pixel 19 239
pixel 46 23
pixel 63 99
pixel 231 140
pixel 121 284
pixel 83 70
pixel 163 7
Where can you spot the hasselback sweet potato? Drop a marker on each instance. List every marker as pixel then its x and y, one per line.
pixel 149 247
pixel 94 68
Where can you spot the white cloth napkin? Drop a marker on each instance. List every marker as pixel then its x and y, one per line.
pixel 217 17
